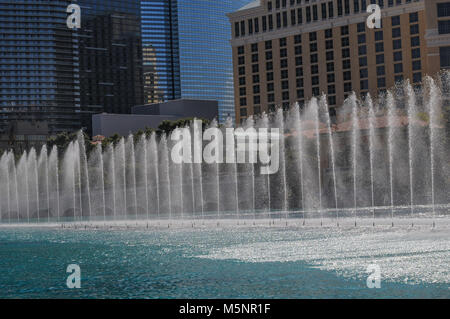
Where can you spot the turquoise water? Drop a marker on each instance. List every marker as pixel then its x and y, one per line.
pixel 224 263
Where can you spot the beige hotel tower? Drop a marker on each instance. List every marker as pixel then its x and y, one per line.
pixel 290 50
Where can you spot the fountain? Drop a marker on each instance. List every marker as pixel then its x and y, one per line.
pixel 384 158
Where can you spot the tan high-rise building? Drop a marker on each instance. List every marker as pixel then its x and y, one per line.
pixel 286 51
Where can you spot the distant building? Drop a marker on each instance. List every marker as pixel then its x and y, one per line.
pixel 59 77
pixel 286 51
pixel 22 135
pixel 151 116
pixel 190 39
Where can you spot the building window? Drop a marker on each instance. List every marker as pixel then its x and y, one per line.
pixel 332 100
pixel 331 89
pixel 268 45
pixel 380 58
pixel 397 44
pixel 417 77
pixel 330 55
pixel 314 69
pixel 444 53
pixel 314 58
pixel 329 44
pixel 344 30
pixel 414 29
pixel 362 38
pixel 270 87
pixel 283 42
pixel 415 53
pixel 348 87
pixel 444 27
pixel 330 78
pixel 363 61
pixel 443 9
pixel 328 33
pixel 345 53
pixel 284 74
pixel 395 20
pixel 345 42
pixel 298 39
pixel 300 83
pixel 347 76
pixel 312 36
pixel 396 32
pixel 381 70
pixel 364 84
pixel 413 17
pixel 284 63
pixel 363 73
pixel 362 50
pixel 242 70
pixel 415 41
pixel 378 35
pixel 330 67
pixel 346 64
pixel 398 68
pixel 379 47
pixel 240 50
pixel 243 101
pixel 416 65
pixel 361 27
pixel 269 66
pixel 398 78
pixel 315 80
pixel 381 82
pixel 242 91
pixel 254 47
pixel 283 53
pixel 298 61
pixel 243 111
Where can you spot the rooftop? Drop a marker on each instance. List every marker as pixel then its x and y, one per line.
pixel 253 4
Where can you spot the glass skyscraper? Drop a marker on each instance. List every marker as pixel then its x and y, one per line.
pixel 52 78
pixel 39 70
pixel 193 57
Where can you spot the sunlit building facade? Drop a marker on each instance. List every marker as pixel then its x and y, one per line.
pixel 286 51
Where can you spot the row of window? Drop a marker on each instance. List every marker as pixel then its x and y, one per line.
pixel 296 16
pixel 362 51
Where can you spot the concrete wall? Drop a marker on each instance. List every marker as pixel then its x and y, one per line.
pixel 151 116
pixel 124 124
pixel 184 108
